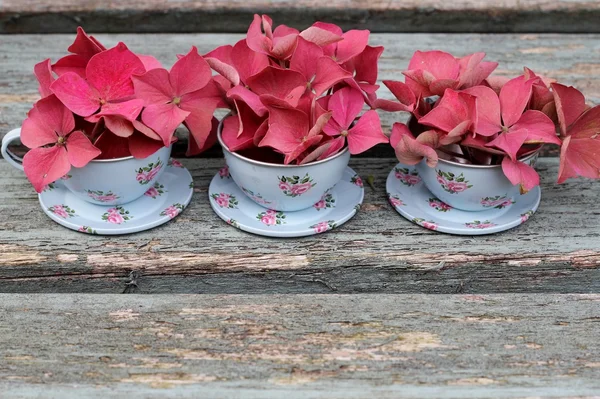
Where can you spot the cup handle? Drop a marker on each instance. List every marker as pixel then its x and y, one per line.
pixel 11 158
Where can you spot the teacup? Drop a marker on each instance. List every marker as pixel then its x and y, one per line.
pixel 471 187
pixel 105 181
pixel 285 187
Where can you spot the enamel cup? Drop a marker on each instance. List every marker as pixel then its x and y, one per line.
pixel 471 187
pixel 105 181
pixel 285 187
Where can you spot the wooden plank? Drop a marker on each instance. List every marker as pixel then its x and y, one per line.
pixel 59 16
pixel 556 251
pixel 573 59
pixel 300 346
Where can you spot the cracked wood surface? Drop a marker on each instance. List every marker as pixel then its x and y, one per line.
pixel 300 346
pixel 572 59
pixel 556 251
pixel 38 16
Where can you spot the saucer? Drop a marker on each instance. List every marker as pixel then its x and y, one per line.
pixel 416 203
pixel 337 206
pixel 161 203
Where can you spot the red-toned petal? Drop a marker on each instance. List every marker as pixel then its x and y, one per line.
pixel 473 71
pixel 247 62
pixel 570 104
pixel 287 129
pixel 399 130
pixel 251 99
pixel 520 173
pixel 365 64
pixel 353 43
pixel 190 73
pixel 539 128
pixel 438 86
pixel 110 72
pixel 509 142
pixel 145 130
pixel 80 149
pixel 149 62
pixel 199 121
pixel 579 157
pixel 45 165
pixel 303 59
pixel 488 110
pixel 325 150
pixel 231 138
pixel 164 119
pixel 403 94
pixel 128 110
pixel 419 81
pixel 43 73
pixel 76 94
pixel 71 63
pixel 345 105
pixel 366 133
pixel 514 97
pixel 496 82
pixel 301 149
pixel 284 84
pixel 112 146
pixel 48 118
pixel 587 125
pixel 328 73
pixel 221 61
pixel 255 38
pixel 153 87
pixel 195 149
pixel 440 64
pixel 478 142
pixel 410 152
pixel 320 37
pixel 118 125
pixel 85 45
pixel 283 47
pixel 453 109
pixel 142 146
pixel 319 124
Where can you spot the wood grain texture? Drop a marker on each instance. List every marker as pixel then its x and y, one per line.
pixel 572 59
pixel 300 346
pixel 557 251
pixel 59 16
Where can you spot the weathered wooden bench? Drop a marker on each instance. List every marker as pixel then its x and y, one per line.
pixel 401 311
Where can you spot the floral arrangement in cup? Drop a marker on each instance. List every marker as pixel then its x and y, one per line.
pixel 297 97
pixel 100 103
pixel 462 113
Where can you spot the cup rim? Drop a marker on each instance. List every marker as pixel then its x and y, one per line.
pixel 269 164
pixel 473 166
pixel 127 157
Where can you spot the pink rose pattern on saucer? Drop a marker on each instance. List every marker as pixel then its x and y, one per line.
pixel 224 172
pixel 101 196
pixel 439 205
pixel 497 202
pixel 407 177
pixel 116 215
pixel 271 217
pixel 256 197
pixel 172 210
pixel 156 191
pixel 322 227
pixel 452 183
pixel 356 180
pixel 327 201
pixel 431 225
pixel 295 186
pixel 174 163
pixel 225 200
pixel 395 200
pixel 476 224
pixel 63 211
pixel 525 216
pixel 87 230
pixel 147 173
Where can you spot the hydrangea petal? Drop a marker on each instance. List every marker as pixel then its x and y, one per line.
pixel 353 43
pixel 141 146
pixel 190 73
pixel 164 119
pixel 345 105
pixel 520 173
pixel 514 97
pixel 366 133
pixel 570 104
pixel 328 73
pixel 153 87
pixel 76 94
pixel 45 165
pixel 43 73
pixel 80 149
pixel 71 63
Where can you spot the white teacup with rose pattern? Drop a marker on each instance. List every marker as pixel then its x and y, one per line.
pixel 468 187
pixel 283 187
pixel 105 181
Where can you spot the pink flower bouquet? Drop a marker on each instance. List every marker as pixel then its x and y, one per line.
pixel 462 113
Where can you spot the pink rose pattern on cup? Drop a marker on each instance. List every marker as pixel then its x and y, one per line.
pixel 224 172
pixel 87 230
pixel 224 200
pixel 407 177
pixel 256 197
pixel 322 227
pixel 63 211
pixel 431 225
pixel 452 183
pixel 116 215
pixel 476 224
pixel 326 201
pixel 438 205
pixel 156 191
pixel 395 200
pixel 172 210
pixel 101 196
pixel 174 163
pixel 147 173
pixel 271 217
pixel 356 180
pixel 525 216
pixel 295 186
pixel 497 202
